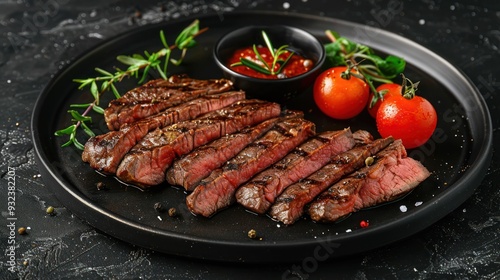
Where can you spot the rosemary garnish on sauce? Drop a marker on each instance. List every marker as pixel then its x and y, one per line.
pixel 262 65
pixel 137 63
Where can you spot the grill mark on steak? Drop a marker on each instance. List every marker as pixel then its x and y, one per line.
pixel 158 95
pixel 105 152
pixel 146 163
pixel 259 194
pixel 190 169
pixel 391 175
pixel 289 206
pixel 217 191
pixel 338 200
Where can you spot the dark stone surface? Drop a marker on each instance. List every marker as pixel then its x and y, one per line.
pixel 39 37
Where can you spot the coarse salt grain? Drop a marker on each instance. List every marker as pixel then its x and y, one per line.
pixel 403 208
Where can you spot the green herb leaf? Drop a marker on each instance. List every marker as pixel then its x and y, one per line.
pixel 115 91
pixel 261 59
pixel 144 74
pixel 285 62
pixel 87 130
pixel 104 72
pixel 163 39
pixel 136 63
pixel 104 86
pixel 77 144
pixel 79 117
pixel 268 43
pixel 65 131
pixel 138 56
pixel 332 34
pixel 280 51
pixel 368 66
pixel 349 46
pixel 94 91
pixel 391 66
pixel 83 82
pixel 160 71
pixel 334 54
pixel 98 109
pixel 185 38
pixel 85 105
pixel 127 60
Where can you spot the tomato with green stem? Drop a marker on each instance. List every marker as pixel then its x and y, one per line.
pixel 384 92
pixel 339 93
pixel 408 117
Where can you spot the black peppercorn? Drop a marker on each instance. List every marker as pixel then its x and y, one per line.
pixel 172 212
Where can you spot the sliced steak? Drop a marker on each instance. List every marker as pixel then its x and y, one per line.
pixel 397 180
pixel 388 177
pixel 259 193
pixel 158 95
pixel 190 169
pixel 217 191
pixel 290 204
pixel 105 152
pixel 338 200
pixel 146 163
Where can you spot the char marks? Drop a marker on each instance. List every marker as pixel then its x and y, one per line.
pixel 105 152
pixel 217 191
pixel 290 204
pixel 158 95
pixel 391 175
pixel 147 162
pixel 190 169
pixel 260 193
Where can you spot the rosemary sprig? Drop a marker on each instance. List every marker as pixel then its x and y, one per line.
pixel 139 65
pixel 262 65
pixel 361 62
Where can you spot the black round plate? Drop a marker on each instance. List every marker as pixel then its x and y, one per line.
pixel 457 155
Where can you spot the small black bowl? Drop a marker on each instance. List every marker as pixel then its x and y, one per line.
pixel 298 40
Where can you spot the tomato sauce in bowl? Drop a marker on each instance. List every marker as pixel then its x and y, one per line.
pixel 300 70
pixel 295 66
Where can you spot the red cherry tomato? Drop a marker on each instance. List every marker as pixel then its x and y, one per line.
pixel 390 90
pixel 411 120
pixel 337 97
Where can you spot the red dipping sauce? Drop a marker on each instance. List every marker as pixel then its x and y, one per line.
pixel 295 66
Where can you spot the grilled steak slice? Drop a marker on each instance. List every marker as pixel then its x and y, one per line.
pixel 391 175
pixel 217 191
pixel 397 180
pixel 105 152
pixel 146 164
pixel 290 204
pixel 338 200
pixel 190 169
pixel 158 95
pixel 259 193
